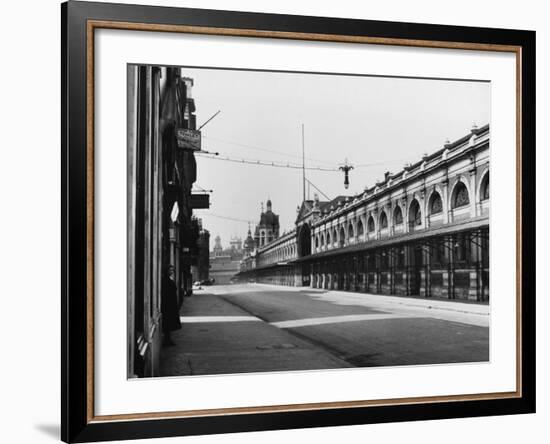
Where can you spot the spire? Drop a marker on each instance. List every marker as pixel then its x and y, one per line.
pixel 268 203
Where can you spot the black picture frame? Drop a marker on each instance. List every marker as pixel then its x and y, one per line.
pixel 77 422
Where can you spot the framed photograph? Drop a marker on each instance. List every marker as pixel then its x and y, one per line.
pixel 275 221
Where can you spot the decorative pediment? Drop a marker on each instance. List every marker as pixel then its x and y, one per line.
pixel 304 210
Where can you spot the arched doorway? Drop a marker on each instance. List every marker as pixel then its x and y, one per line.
pixel 304 241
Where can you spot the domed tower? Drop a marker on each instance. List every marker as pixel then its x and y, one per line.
pixel 268 228
pixel 249 245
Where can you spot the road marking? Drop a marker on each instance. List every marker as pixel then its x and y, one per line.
pixel 336 319
pixel 196 319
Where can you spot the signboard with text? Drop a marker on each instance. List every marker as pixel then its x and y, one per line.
pixel 188 139
pixel 200 201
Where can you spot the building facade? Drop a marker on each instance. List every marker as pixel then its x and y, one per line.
pixel 162 231
pixel 423 231
pixel 200 269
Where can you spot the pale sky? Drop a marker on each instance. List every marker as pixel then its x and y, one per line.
pixel 381 122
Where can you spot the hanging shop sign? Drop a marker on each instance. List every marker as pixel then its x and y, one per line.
pixel 200 201
pixel 188 139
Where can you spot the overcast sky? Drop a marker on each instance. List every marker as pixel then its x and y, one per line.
pixel 381 122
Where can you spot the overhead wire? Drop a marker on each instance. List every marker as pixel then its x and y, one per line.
pixel 234 219
pixel 255 147
pixel 279 164
pixel 266 163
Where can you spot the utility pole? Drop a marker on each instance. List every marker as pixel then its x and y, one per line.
pixel 303 166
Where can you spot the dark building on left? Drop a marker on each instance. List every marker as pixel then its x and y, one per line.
pixel 162 232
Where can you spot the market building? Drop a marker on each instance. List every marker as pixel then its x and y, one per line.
pixel 423 231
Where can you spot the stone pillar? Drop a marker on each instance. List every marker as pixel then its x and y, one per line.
pixel 448 285
pixel 473 194
pixel 423 205
pixel 377 274
pixel 391 276
pixel 425 274
pixel 474 292
pixel 407 274
pixel 405 214
pixel 446 201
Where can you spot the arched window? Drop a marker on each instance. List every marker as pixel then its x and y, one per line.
pixel 415 216
pixel 397 216
pixel 322 240
pixel 485 188
pixel 370 224
pixel 316 241
pixel 460 195
pixel 335 236
pixel 360 230
pixel 350 231
pixel 342 237
pixel 383 220
pixel 328 239
pixel 436 204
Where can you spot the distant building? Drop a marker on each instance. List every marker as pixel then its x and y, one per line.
pixel 235 250
pixel 218 249
pixel 268 228
pixel 236 244
pixel 249 244
pixel 224 262
pixel 201 265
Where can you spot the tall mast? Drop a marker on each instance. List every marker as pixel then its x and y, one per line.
pixel 303 166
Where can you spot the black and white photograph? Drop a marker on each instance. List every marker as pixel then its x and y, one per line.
pixel 292 221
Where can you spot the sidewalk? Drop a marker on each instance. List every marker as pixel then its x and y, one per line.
pixel 450 310
pixel 405 301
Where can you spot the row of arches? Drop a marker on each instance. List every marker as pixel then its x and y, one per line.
pixel 460 198
pixel 283 252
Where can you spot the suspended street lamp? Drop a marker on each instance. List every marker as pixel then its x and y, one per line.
pixel 346 169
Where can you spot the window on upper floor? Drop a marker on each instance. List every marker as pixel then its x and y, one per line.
pixel 415 215
pixel 383 220
pixel 360 230
pixel 370 224
pixel 436 204
pixel 460 196
pixel 397 216
pixel 485 188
